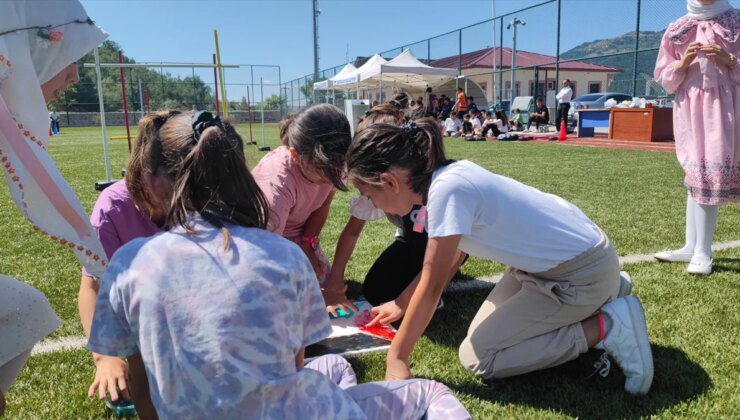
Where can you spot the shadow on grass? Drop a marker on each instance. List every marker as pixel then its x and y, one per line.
pixel 565 388
pixel 726 265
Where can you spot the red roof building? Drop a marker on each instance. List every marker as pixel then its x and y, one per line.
pixel 485 58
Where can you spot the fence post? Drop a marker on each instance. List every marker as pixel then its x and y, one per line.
pixel 637 49
pixel 459 56
pixel 501 60
pixel 557 58
pixel 280 92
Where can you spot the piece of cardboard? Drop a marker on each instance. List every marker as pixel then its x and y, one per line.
pixel 349 339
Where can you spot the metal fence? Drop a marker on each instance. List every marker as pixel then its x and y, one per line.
pixel 250 89
pixel 613 49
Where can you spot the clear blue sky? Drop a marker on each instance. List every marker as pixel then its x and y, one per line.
pixel 280 32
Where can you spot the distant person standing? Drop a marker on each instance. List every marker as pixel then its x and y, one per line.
pixel 431 102
pixel 564 97
pixel 54 117
pixel 461 105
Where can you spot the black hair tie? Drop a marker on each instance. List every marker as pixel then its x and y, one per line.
pixel 202 120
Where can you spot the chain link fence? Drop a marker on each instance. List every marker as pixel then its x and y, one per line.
pixel 611 47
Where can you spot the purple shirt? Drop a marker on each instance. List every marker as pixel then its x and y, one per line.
pixel 118 220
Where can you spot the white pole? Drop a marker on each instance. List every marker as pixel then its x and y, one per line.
pixel 262 116
pixel 513 72
pixel 141 100
pixel 493 51
pixel 102 116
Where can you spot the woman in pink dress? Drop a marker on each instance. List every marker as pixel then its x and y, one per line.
pixel 698 61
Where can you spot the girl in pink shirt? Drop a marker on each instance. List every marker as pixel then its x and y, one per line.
pixel 299 180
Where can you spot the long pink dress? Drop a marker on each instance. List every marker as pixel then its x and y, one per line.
pixel 707 105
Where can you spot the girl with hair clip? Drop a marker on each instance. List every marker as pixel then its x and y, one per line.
pixel 299 180
pixel 390 281
pixel 562 293
pixel 698 61
pixel 219 309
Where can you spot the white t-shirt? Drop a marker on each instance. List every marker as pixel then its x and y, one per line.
pixel 452 124
pixel 476 123
pixel 565 95
pixel 501 126
pixel 503 220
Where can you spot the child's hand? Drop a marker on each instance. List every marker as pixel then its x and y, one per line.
pixel 110 376
pixel 386 313
pixel 336 299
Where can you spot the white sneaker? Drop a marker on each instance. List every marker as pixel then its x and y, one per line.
pixel 625 284
pixel 627 343
pixel 700 267
pixel 674 256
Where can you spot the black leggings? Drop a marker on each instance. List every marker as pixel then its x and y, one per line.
pixel 397 266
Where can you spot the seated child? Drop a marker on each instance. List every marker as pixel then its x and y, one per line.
pixel 517 120
pixel 453 126
pixel 219 310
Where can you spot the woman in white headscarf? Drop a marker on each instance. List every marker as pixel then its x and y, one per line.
pixel 698 61
pixel 38 55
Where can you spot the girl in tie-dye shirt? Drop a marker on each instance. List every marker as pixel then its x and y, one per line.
pixel 220 310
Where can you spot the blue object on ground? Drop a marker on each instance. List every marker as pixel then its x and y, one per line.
pixel 588 119
pixel 121 408
pixel 341 313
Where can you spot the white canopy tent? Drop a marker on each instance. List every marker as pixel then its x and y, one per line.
pixel 407 72
pixel 362 76
pixel 343 74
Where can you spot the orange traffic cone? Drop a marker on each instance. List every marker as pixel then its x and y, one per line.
pixel 563 133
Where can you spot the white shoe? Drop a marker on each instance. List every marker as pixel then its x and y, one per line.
pixel 625 284
pixel 627 343
pixel 700 267
pixel 674 256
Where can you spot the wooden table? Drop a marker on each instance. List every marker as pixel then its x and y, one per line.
pixel 641 124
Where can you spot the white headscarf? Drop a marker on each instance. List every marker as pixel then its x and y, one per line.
pixel 28 58
pixel 701 12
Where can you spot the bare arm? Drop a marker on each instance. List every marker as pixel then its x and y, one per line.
pixel 393 311
pixel 86 299
pixel 110 371
pixel 313 227
pixel 317 219
pixel 345 247
pixel 140 388
pixel 440 255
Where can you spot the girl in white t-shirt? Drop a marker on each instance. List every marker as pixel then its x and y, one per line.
pixel 561 294
pixel 453 125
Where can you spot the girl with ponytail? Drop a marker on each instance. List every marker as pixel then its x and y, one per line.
pixel 563 291
pixel 218 309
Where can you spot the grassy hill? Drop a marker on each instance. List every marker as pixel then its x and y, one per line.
pixel 623 46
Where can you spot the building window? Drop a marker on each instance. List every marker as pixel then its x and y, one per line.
pixel 540 91
pixel 594 87
pixel 517 90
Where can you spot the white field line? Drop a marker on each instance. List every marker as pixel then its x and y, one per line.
pixel 486 282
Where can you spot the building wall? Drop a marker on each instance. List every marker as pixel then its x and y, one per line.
pixel 525 78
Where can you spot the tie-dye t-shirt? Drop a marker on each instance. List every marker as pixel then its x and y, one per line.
pixel 218 330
